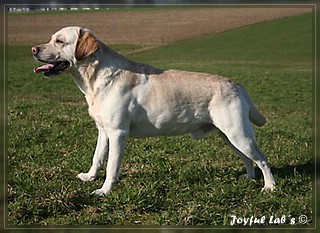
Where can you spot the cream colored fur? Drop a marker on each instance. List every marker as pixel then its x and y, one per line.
pixel 129 99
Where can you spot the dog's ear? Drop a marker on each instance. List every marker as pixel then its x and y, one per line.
pixel 86 45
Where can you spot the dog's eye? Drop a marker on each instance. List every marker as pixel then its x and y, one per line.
pixel 59 41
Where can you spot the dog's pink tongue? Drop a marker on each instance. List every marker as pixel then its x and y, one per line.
pixel 42 68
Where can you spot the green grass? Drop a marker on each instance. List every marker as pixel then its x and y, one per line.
pixel 274 43
pixel 166 180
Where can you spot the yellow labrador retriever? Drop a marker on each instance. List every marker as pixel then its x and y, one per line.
pixel 126 98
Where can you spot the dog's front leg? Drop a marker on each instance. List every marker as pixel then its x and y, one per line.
pixel 98 158
pixel 117 140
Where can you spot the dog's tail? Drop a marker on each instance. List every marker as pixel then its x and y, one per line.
pixel 254 115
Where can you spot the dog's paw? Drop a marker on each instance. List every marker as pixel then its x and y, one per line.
pixel 267 189
pixel 100 192
pixel 85 177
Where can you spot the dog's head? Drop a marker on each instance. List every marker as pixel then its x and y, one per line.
pixel 66 47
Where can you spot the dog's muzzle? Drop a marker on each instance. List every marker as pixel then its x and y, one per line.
pixel 50 68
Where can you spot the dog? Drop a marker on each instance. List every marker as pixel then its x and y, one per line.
pixel 130 99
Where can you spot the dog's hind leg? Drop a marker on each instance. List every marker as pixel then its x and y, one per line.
pixel 232 119
pixel 98 158
pixel 250 173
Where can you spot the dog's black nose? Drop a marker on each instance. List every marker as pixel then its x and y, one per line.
pixel 35 50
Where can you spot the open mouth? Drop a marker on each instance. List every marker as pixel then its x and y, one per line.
pixel 52 68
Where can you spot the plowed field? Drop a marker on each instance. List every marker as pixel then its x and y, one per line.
pixel 150 27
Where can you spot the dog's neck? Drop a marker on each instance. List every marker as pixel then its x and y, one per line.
pixel 85 72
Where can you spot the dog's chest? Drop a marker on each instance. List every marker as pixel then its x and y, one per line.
pixel 107 109
pixel 94 108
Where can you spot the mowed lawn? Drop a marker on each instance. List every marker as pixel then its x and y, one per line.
pixel 167 180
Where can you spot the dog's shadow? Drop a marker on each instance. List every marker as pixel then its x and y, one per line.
pixel 290 171
pixel 286 172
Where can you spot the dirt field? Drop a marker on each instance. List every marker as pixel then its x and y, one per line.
pixel 146 27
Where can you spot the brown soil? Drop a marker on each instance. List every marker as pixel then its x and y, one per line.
pixel 146 27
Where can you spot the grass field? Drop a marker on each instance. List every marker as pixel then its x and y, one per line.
pixel 167 180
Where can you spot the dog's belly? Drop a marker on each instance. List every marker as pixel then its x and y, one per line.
pixel 168 123
pixel 150 130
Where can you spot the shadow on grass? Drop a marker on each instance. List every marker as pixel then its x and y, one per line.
pixel 290 171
